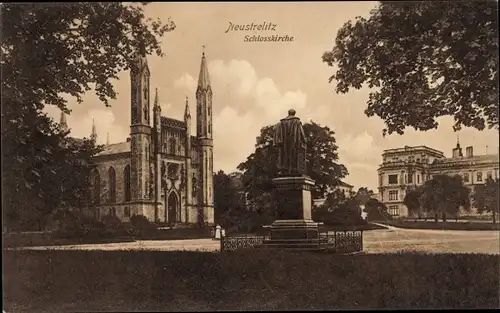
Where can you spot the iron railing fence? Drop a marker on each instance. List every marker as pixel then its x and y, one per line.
pixel 347 241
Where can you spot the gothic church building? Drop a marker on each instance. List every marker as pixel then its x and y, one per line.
pixel 161 171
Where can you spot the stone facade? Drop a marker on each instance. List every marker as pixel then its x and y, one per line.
pixel 161 171
pixel 405 169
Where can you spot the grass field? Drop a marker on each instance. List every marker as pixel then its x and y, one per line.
pixel 54 281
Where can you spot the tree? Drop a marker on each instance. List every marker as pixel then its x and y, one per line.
pixel 49 51
pixel 412 201
pixel 485 197
pixel 443 195
pixel 425 59
pixel 228 201
pixel 338 210
pixel 363 195
pixel 376 211
pixel 321 154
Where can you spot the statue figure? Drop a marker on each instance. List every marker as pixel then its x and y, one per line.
pixel 290 141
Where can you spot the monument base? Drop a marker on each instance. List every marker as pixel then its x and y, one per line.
pixel 294 229
pixel 294 235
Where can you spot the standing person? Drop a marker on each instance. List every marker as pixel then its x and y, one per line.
pixel 217 232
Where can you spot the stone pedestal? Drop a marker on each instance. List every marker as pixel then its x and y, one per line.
pixel 294 228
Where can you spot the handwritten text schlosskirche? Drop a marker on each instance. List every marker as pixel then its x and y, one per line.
pixel 259 27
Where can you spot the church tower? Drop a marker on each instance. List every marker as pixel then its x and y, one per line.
pixel 205 140
pixel 140 135
pixel 157 140
pixel 93 134
pixel 63 125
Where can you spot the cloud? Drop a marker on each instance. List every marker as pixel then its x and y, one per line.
pixel 243 103
pixel 361 155
pixel 187 82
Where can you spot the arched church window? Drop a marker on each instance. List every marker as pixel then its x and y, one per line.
pixel 126 182
pixel 209 128
pixel 112 185
pixel 209 110
pixel 172 146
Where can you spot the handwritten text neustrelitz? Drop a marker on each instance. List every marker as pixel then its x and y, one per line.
pixel 261 27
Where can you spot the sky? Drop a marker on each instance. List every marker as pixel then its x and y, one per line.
pixel 255 83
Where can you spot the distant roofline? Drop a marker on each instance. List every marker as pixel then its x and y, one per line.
pixel 405 148
pixel 344 184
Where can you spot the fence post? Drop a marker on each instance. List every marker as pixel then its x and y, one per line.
pixel 361 240
pixel 221 244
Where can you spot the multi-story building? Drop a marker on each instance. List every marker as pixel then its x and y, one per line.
pixel 404 169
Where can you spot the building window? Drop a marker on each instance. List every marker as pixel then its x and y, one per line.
pixel 112 185
pixel 172 146
pixel 466 177
pixel 418 178
pixel 126 182
pixel 393 179
pixel 126 211
pixel 410 178
pixel 479 176
pixel 112 212
pixel 393 210
pixel 393 195
pixel 489 175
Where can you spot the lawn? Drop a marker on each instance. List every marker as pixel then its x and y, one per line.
pixel 443 225
pixel 51 281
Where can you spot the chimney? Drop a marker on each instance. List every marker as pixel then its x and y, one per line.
pixel 469 152
pixel 128 139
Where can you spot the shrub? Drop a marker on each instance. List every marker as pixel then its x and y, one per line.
pixel 376 211
pixel 75 225
pixel 346 213
pixel 141 225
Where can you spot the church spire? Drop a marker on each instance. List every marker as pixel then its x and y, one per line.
pixel 93 135
pixel 187 114
pixel 157 100
pixel 62 123
pixel 203 79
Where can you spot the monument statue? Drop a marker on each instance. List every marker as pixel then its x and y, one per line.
pixel 290 141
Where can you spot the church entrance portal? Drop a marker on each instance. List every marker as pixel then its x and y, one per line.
pixel 173 208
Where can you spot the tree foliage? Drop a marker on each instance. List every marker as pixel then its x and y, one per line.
pixel 50 51
pixel 321 155
pixel 444 194
pixel 376 211
pixel 229 202
pixel 412 201
pixel 424 60
pixel 485 197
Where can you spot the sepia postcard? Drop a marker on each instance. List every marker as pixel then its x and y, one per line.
pixel 210 156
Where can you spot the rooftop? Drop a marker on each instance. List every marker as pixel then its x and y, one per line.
pixel 414 148
pixel 115 148
pixel 344 184
pixel 170 122
pixel 485 158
